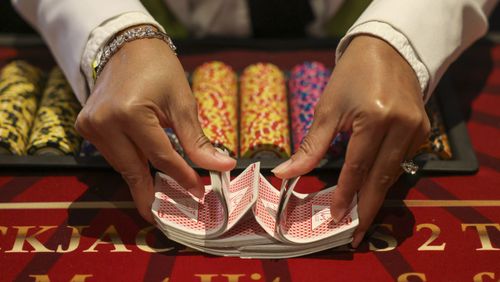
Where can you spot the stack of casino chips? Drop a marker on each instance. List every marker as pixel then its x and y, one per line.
pixel 437 147
pixel 264 127
pixel 20 88
pixel 306 84
pixel 53 132
pixel 214 85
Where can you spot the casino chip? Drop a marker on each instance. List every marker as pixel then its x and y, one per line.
pixel 306 84
pixel 20 88
pixel 438 146
pixel 264 127
pixel 214 86
pixel 53 132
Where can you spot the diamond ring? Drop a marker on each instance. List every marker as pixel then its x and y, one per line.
pixel 410 167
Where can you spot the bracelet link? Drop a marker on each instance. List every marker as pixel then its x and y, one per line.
pixel 129 35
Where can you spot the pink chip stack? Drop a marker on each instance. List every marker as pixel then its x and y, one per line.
pixel 307 82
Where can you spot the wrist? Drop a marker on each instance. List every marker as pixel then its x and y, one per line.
pixel 377 47
pixel 384 54
pixel 396 39
pixel 138 32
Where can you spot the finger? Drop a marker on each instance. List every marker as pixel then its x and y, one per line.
pixel 361 153
pixel 150 137
pixel 312 149
pixel 124 157
pixel 194 142
pixel 421 137
pixel 385 171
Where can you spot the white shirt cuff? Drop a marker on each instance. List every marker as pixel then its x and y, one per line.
pixel 102 34
pixel 393 37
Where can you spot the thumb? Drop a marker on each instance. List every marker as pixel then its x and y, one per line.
pixel 311 151
pixel 204 154
pixel 198 147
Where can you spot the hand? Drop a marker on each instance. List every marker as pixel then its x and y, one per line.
pixel 142 90
pixel 375 93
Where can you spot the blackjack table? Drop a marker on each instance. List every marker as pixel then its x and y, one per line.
pixel 73 219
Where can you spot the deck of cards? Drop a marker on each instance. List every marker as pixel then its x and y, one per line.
pixel 248 217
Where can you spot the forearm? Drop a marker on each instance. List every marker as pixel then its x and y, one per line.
pixel 437 31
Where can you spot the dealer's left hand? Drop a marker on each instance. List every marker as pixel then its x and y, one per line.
pixel 375 93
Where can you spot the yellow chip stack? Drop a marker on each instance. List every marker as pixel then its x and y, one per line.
pixel 215 88
pixel 264 112
pixel 53 132
pixel 20 88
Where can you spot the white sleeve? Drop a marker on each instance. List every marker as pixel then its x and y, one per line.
pixel 396 39
pixel 101 35
pixel 66 26
pixel 438 31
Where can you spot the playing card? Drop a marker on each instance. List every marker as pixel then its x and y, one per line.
pixel 246 232
pixel 266 206
pixel 308 218
pixel 241 194
pixel 282 223
pixel 286 190
pixel 175 207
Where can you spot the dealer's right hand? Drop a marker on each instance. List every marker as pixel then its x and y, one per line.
pixel 140 91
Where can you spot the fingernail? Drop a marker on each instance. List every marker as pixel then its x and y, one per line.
pixel 282 167
pixel 222 156
pixel 337 214
pixel 337 210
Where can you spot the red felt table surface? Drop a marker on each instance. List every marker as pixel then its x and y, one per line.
pixel 81 225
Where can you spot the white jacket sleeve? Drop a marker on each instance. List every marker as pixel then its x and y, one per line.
pixel 66 26
pixel 394 38
pixel 438 30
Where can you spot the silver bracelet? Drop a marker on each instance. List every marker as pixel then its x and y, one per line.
pixel 130 35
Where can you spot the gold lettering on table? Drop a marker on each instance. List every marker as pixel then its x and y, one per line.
pixel 435 231
pixel 74 242
pixel 256 276
pixel 40 277
pixel 482 231
pixel 142 243
pixel 233 277
pixel 22 238
pixel 80 277
pixel 3 231
pixel 206 277
pixel 114 239
pixel 405 276
pixel 479 277
pixel 75 278
pixel 391 242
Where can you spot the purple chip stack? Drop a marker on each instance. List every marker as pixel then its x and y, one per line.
pixel 307 82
